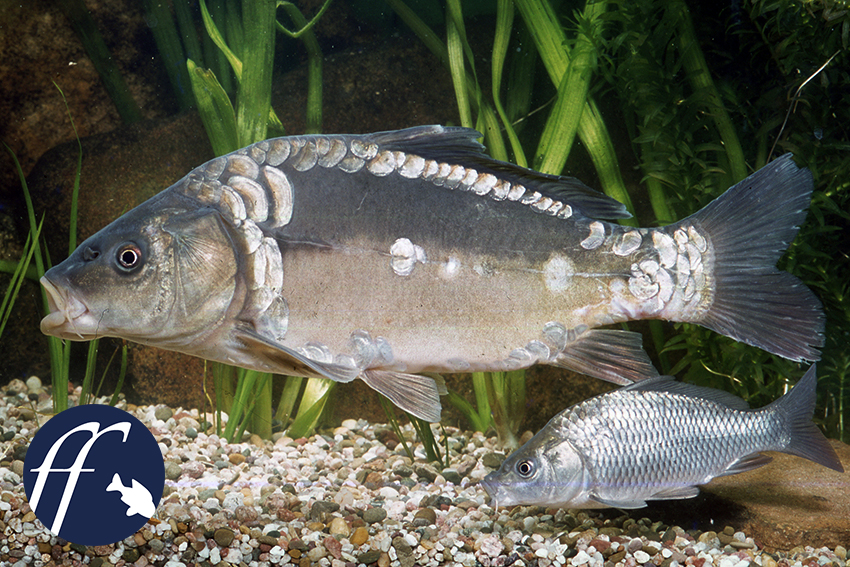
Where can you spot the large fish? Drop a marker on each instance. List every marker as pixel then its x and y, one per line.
pixel 655 440
pixel 387 255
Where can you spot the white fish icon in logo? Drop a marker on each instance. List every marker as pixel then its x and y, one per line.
pixel 136 496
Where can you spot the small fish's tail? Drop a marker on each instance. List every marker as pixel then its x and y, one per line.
pixel 805 439
pixel 115 484
pixel 749 227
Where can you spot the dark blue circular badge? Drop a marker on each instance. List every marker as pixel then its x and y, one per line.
pixel 94 474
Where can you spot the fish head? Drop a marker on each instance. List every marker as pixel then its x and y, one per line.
pixel 157 275
pixel 546 471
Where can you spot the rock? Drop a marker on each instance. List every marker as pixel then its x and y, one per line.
pixel 172 470
pixel 492 460
pixel 374 515
pixel 426 516
pixel 321 509
pixel 340 527
pixel 404 551
pixel 34 385
pixel 223 536
pixel 452 475
pixel 163 413
pixel 359 537
pixel 425 472
pixel 333 545
pixel 369 557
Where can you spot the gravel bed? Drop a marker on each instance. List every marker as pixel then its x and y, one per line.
pixel 347 497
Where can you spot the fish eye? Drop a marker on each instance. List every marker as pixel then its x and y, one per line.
pixel 525 468
pixel 129 257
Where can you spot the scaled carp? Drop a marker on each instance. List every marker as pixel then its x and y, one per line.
pixel 388 255
pixel 655 440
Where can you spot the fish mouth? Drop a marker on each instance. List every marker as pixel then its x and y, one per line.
pixel 69 318
pixel 491 488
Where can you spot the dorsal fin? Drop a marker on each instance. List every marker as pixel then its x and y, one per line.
pixel 670 385
pixel 460 146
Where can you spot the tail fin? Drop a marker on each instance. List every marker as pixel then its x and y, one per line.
pixel 115 484
pixel 805 439
pixel 750 226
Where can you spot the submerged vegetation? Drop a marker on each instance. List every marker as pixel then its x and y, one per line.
pixel 686 111
pixel 558 84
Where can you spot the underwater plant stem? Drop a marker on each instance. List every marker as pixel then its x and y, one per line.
pixel 313 400
pixel 122 373
pixel 314 62
pixel 457 67
pixel 699 76
pixel 101 58
pixel 170 49
pixel 562 125
pixel 549 37
pixel 597 141
pixel 215 109
pixel 425 34
pixel 255 89
pixel 501 39
pixel 88 377
pixel 186 27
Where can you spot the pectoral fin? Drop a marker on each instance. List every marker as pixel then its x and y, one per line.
pixel 284 360
pixel 611 355
pixel 415 394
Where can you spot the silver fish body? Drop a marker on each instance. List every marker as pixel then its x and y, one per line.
pixel 387 255
pixel 655 440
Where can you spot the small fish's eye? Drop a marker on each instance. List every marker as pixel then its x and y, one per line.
pixel 129 257
pixel 525 468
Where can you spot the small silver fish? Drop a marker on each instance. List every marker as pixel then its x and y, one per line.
pixel 385 256
pixel 655 440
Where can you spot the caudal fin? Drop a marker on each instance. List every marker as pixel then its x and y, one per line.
pixel 805 439
pixel 115 484
pixel 750 226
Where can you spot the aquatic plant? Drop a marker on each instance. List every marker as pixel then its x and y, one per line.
pixel 101 58
pixel 34 249
pixel 677 102
pixel 245 40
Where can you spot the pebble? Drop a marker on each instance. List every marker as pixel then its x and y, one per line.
pixel 340 527
pixel 298 503
pixel 359 537
pixel 374 515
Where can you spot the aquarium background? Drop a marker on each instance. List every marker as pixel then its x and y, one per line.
pixel 660 104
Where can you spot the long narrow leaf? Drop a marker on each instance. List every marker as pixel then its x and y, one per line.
pixel 253 102
pixel 170 49
pixel 550 39
pixel 699 76
pixel 501 39
pixel 215 109
pixel 218 39
pixel 314 62
pixel 562 125
pixel 18 276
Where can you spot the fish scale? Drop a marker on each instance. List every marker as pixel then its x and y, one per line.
pixel 655 440
pixel 302 255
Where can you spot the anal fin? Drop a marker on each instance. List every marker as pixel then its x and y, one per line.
pixel 417 395
pixel 609 354
pixel 746 463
